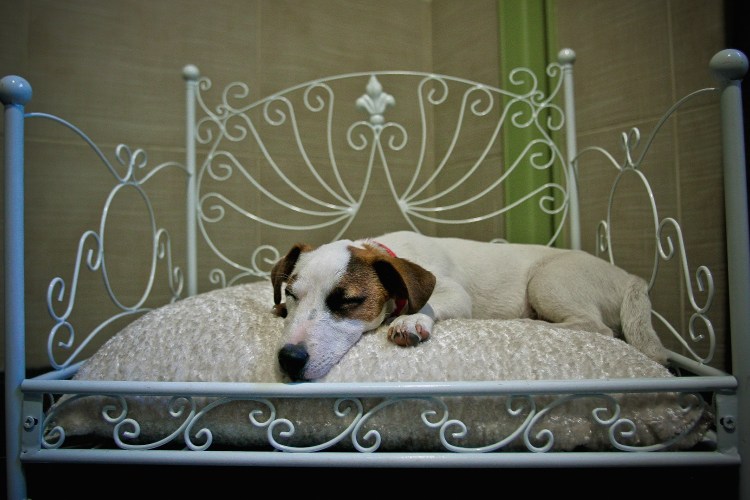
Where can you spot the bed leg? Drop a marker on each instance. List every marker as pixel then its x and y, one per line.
pixel 730 66
pixel 15 92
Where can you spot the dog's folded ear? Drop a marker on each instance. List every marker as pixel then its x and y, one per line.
pixel 404 279
pixel 280 274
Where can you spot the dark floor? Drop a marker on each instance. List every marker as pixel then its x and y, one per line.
pixel 90 481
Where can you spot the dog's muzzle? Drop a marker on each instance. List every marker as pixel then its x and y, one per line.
pixel 292 358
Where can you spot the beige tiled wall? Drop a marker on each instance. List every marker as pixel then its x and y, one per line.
pixel 114 69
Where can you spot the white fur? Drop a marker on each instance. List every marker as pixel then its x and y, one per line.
pixel 473 279
pixel 308 320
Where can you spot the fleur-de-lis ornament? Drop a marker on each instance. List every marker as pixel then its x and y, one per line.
pixel 375 101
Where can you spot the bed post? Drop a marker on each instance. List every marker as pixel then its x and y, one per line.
pixel 15 92
pixel 729 67
pixel 191 74
pixel 566 57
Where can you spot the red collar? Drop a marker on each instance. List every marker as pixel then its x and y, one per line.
pixel 400 303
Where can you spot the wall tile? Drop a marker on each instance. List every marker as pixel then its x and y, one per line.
pixel 698 33
pixel 117 66
pixel 623 58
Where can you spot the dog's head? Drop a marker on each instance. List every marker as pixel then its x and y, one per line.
pixel 335 293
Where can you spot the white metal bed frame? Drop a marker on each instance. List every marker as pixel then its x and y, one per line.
pixel 25 412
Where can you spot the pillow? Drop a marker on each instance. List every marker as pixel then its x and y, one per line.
pixel 230 335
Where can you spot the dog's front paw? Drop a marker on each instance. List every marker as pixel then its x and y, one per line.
pixel 410 330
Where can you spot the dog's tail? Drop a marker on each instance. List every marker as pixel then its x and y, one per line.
pixel 635 316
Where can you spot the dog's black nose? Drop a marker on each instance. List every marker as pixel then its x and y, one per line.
pixel 292 358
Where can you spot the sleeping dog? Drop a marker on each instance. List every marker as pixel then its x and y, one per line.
pixel 338 291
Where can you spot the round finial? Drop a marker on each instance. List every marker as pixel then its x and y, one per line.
pixel 729 64
pixel 191 72
pixel 14 90
pixel 566 56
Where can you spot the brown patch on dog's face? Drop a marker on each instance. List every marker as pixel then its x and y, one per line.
pixel 384 277
pixel 359 294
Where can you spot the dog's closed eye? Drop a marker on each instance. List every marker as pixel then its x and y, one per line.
pixel 339 301
pixel 289 294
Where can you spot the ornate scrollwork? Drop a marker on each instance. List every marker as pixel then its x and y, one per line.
pixel 205 433
pixel 56 288
pixel 130 429
pixel 547 438
pixel 522 423
pixel 334 204
pixel 261 265
pixel 626 428
pixel 528 406
pixel 54 435
pixel 93 243
pixel 95 260
pixel 342 408
pixel 375 437
pixel 91 252
pixel 669 241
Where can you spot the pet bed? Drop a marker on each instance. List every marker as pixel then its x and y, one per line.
pixel 195 380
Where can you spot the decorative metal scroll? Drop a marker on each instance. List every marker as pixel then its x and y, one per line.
pixel 668 246
pixel 424 188
pixel 514 423
pixel 131 172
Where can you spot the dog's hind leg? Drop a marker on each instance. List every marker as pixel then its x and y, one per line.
pixel 568 290
pixel 580 291
pixel 570 318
